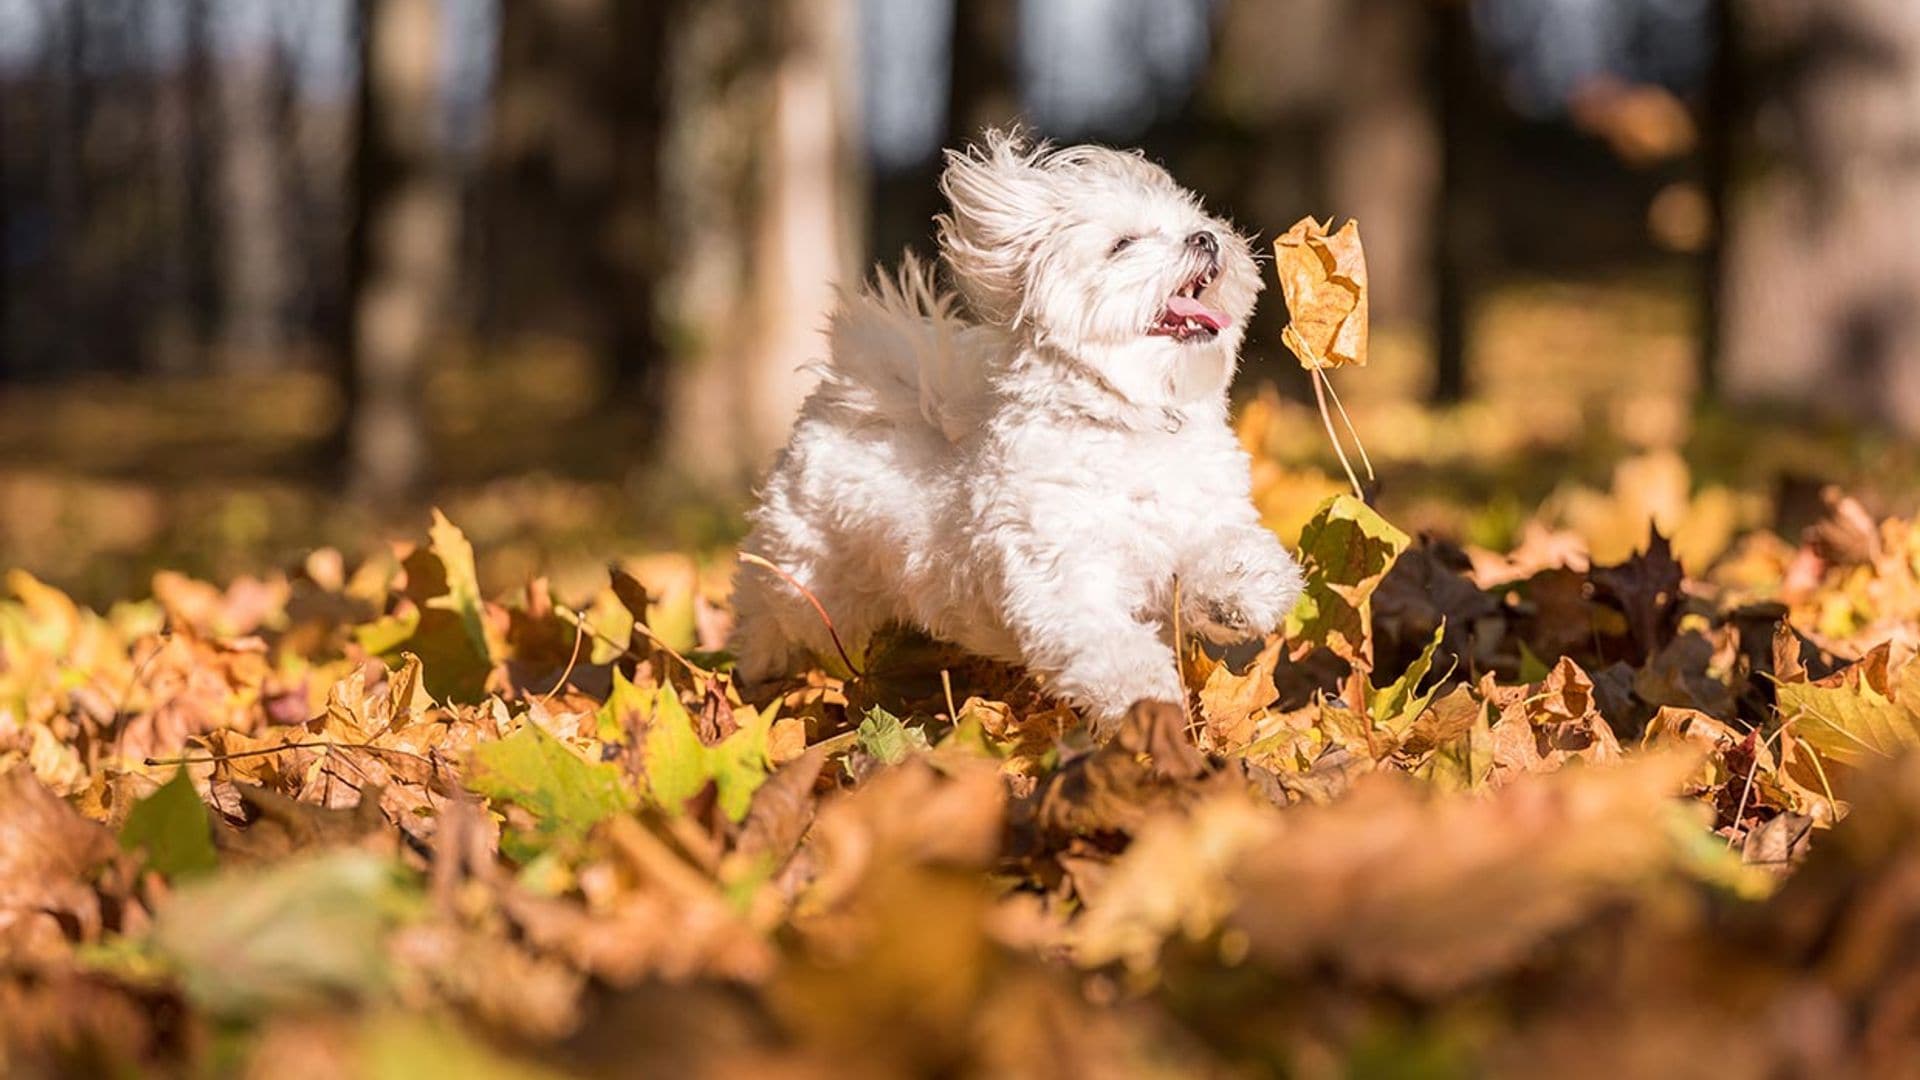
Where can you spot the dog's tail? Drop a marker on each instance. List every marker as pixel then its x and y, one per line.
pixel 902 353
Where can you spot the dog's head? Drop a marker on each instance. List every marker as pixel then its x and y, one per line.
pixel 1098 253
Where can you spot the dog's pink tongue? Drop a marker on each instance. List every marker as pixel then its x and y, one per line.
pixel 1186 307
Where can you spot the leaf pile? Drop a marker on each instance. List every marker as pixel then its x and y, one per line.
pixel 1473 812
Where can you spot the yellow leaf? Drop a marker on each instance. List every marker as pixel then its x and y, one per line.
pixel 1853 722
pixel 1231 703
pixel 1323 277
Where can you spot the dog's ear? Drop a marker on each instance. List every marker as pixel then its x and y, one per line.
pixel 1001 200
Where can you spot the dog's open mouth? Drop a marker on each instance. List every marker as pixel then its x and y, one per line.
pixel 1189 318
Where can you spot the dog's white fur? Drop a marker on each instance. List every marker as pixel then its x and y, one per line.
pixel 1027 478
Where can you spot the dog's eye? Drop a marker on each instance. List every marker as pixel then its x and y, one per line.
pixel 1120 245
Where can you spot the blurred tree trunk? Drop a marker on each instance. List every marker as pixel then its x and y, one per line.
pixel 574 204
pixel 1722 109
pixel 68 188
pixel 765 191
pixel 983 91
pixel 255 231
pixel 1455 76
pixel 983 86
pixel 1821 300
pixel 1384 151
pixel 1327 107
pixel 1266 106
pixel 200 229
pixel 400 255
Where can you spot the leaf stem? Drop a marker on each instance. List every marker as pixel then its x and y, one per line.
pixel 1320 395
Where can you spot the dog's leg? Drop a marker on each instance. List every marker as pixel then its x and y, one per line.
pixel 1080 634
pixel 1240 585
pixel 1123 663
pixel 777 627
pixel 761 648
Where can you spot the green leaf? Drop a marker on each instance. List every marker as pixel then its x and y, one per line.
pixel 890 741
pixel 626 704
pixel 303 933
pixel 969 736
pixel 679 765
pixel 1532 668
pixel 739 764
pixel 463 580
pixel 566 794
pixel 1345 550
pixel 172 826
pixel 676 758
pixel 448 630
pixel 387 634
pixel 1397 705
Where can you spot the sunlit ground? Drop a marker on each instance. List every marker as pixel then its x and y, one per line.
pixel 103 482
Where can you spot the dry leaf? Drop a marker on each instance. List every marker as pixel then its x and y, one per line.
pixel 1323 277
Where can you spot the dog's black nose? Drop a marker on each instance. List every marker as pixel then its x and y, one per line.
pixel 1204 241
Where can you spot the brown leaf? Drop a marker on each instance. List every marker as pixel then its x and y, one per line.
pixel 1430 895
pixel 1448 718
pixel 1323 277
pixel 1158 729
pixel 48 855
pixel 280 826
pixel 1172 879
pixel 1787 653
pixel 1678 675
pixel 782 810
pixel 1780 842
pixel 1541 729
pixel 1646 588
pixel 1331 775
pixel 1232 702
pixel 1112 790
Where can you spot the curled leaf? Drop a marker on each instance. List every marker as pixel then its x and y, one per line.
pixel 1324 279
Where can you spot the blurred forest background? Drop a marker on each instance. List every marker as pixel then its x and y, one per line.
pixel 275 273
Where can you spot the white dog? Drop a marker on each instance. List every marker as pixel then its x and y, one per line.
pixel 1026 475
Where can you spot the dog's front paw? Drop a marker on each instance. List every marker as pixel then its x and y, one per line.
pixel 1242 592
